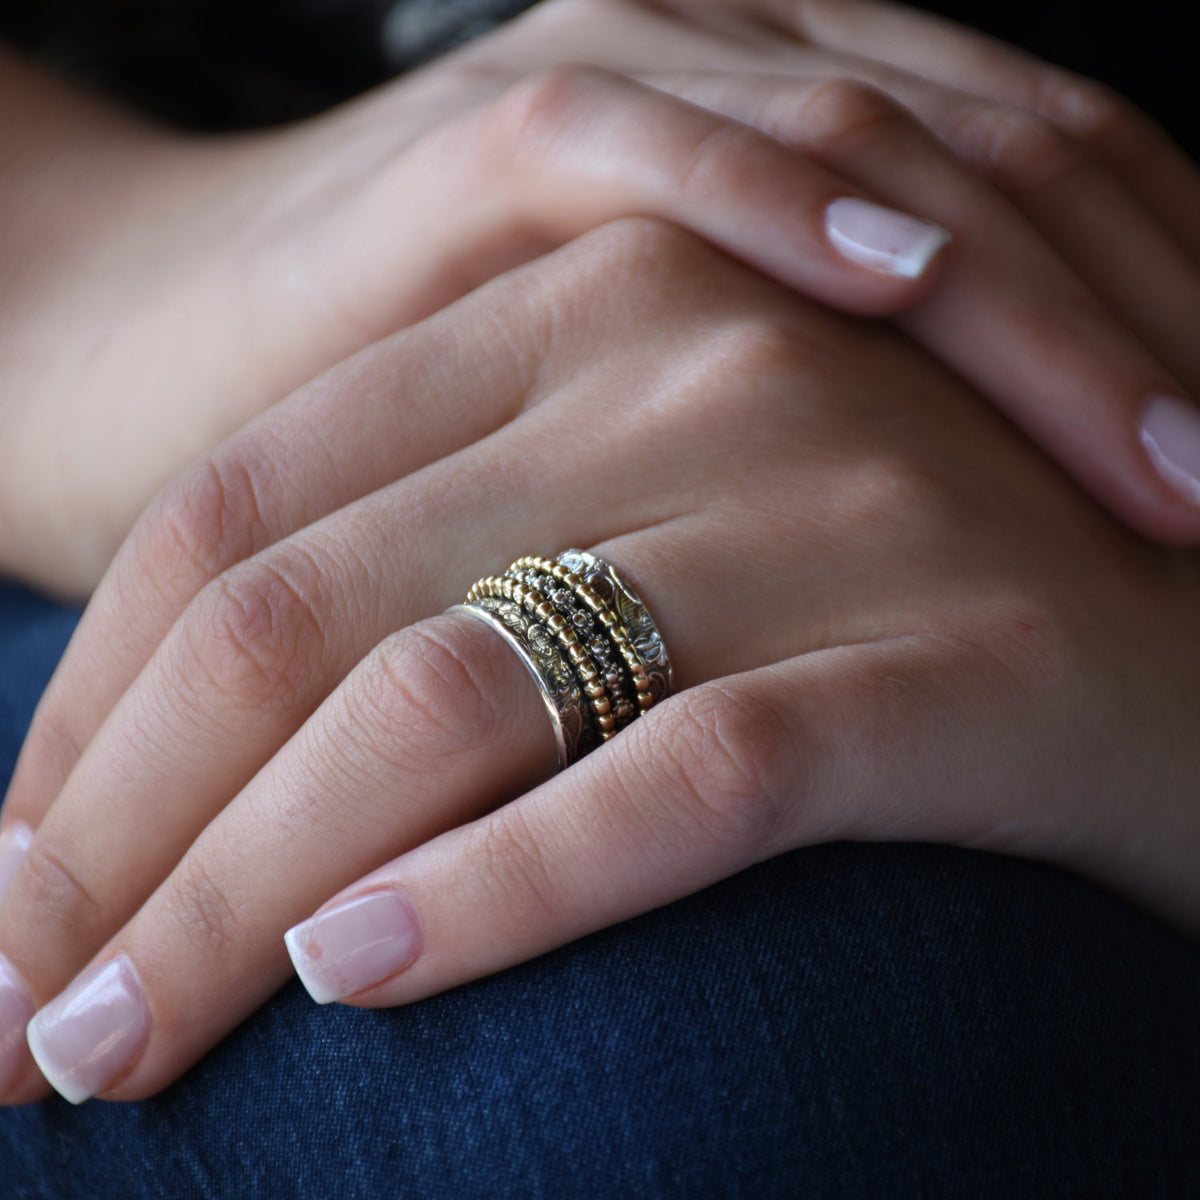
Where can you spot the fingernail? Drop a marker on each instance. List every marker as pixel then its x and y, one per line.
pixel 882 239
pixel 83 1039
pixel 361 942
pixel 1171 436
pixel 15 1010
pixel 14 845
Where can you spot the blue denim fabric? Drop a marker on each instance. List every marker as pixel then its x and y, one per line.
pixel 33 635
pixel 846 1021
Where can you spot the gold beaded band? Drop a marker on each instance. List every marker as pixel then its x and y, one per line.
pixel 608 618
pixel 597 626
pixel 574 733
pixel 601 633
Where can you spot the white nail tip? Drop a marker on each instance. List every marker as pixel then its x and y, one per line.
pixel 314 985
pixel 1170 435
pixel 883 239
pixel 354 944
pixel 1180 480
pixel 89 1034
pixel 67 1088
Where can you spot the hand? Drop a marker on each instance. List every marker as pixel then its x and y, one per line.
pixel 1102 185
pixel 889 618
pixel 276 256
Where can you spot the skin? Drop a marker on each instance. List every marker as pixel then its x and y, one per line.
pixel 944 652
pixel 949 616
pixel 206 279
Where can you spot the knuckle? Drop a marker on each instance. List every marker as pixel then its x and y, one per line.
pixel 58 893
pixel 906 485
pixel 422 700
pixel 733 763
pixel 764 348
pixel 1029 633
pixel 204 911
pixel 1020 151
pixel 847 115
pixel 908 505
pixel 753 361
pixel 535 112
pixel 1094 113
pixel 725 157
pixel 626 271
pixel 646 249
pixel 1015 651
pixel 211 519
pixel 257 632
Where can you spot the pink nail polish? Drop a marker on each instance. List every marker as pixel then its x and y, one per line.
pixel 358 943
pixel 882 239
pixel 16 1008
pixel 14 845
pixel 1171 438
pixel 84 1038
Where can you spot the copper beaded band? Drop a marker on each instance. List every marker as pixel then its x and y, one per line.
pixel 534 601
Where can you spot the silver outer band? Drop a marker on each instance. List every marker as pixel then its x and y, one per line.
pixel 537 648
pixel 633 614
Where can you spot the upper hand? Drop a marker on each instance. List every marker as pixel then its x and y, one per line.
pixel 1066 297
pixel 889 618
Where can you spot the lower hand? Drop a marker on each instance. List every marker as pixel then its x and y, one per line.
pixel 890 618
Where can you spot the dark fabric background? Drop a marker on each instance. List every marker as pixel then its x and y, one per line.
pixel 226 63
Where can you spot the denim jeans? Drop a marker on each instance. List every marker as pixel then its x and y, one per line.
pixel 843 1021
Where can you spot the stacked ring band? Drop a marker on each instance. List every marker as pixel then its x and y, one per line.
pixel 586 638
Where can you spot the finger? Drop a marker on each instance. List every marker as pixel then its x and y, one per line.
pixel 243 498
pixel 574 147
pixel 1009 313
pixel 251 659
pixel 1092 218
pixel 723 776
pixel 1158 173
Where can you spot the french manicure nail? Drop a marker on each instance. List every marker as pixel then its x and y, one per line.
pixel 883 239
pixel 15 1010
pixel 14 844
pixel 1171 437
pixel 357 943
pixel 84 1038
